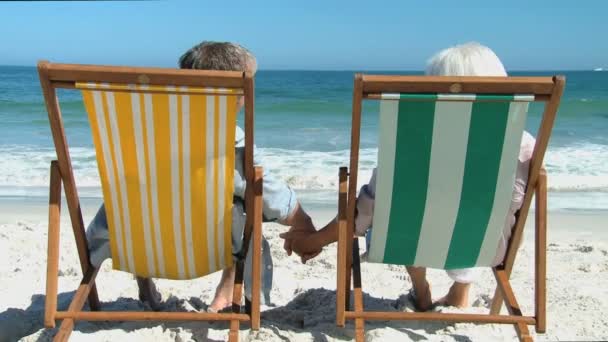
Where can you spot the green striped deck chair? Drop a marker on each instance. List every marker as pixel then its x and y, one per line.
pixel 446 169
pixel 447 157
pixel 164 141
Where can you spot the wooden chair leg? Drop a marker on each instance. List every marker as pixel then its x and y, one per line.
pixel 237 296
pixel 257 249
pixel 358 292
pixel 64 332
pixel 496 302
pixel 348 269
pixel 347 284
pixel 93 300
pixel 52 270
pixel 80 298
pixel 341 287
pixel 540 256
pixel 511 303
pixel 233 334
pixel 540 249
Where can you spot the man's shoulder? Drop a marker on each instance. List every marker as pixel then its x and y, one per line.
pixel 239 137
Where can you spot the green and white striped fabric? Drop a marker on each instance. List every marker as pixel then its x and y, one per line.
pixel 446 169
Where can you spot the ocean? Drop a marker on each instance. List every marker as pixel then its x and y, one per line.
pixel 302 133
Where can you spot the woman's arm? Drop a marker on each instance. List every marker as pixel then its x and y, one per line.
pixel 309 244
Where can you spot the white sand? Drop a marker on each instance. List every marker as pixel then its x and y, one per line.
pixel 304 295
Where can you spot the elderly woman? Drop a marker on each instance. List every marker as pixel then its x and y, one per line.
pixel 471 59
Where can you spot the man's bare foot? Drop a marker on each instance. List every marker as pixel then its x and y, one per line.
pixel 148 293
pixel 223 292
pixel 457 296
pixel 219 303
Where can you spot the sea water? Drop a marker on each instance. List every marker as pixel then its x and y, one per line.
pixel 302 134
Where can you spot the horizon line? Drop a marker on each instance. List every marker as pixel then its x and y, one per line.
pixel 323 69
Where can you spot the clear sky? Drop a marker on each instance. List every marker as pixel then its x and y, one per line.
pixel 308 34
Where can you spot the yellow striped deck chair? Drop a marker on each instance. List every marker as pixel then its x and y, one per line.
pixel 447 155
pixel 164 141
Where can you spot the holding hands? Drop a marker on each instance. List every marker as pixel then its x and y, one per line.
pixel 305 240
pixel 301 240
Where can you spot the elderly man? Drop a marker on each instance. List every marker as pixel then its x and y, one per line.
pixel 279 202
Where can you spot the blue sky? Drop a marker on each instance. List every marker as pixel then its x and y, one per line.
pixel 319 35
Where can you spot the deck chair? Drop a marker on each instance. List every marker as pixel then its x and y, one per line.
pixel 164 141
pixel 447 156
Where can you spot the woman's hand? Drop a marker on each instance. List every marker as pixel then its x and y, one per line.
pixel 302 241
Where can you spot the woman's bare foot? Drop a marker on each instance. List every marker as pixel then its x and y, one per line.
pixel 422 290
pixel 223 292
pixel 422 297
pixel 457 296
pixel 148 293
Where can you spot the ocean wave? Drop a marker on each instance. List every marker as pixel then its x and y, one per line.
pixel 310 170
pixel 575 168
pixel 579 167
pixel 28 166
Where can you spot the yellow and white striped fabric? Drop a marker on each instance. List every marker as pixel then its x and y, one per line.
pixel 166 161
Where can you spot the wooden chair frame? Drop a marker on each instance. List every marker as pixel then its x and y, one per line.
pixel 54 76
pixel 546 89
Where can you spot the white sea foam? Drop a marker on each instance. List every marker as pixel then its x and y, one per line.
pixel 580 167
pixel 310 170
pixel 25 169
pixel 577 171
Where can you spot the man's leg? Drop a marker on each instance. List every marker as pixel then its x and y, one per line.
pixel 223 292
pixel 99 249
pixel 148 293
pixel 422 289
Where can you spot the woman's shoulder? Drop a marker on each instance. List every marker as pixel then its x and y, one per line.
pixel 527 147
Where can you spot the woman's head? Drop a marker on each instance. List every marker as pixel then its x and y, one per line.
pixel 469 59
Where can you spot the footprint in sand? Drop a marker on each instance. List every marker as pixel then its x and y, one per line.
pixel 583 249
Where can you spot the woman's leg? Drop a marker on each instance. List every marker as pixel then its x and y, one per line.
pixel 457 296
pixel 422 289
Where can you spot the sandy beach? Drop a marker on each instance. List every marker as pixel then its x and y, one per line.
pixel 303 297
pixel 144 94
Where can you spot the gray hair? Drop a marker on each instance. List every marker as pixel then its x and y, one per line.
pixel 218 56
pixel 470 59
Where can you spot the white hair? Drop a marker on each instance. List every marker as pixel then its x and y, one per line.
pixel 469 59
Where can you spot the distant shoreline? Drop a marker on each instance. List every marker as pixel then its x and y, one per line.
pixel 373 70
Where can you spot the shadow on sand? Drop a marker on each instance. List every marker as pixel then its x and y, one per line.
pixel 18 323
pixel 311 311
pixel 314 311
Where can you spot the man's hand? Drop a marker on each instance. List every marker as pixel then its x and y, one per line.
pixel 297 239
pixel 300 222
pixel 303 243
pixel 297 231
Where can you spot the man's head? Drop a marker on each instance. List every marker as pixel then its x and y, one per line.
pixel 218 56
pixel 470 59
